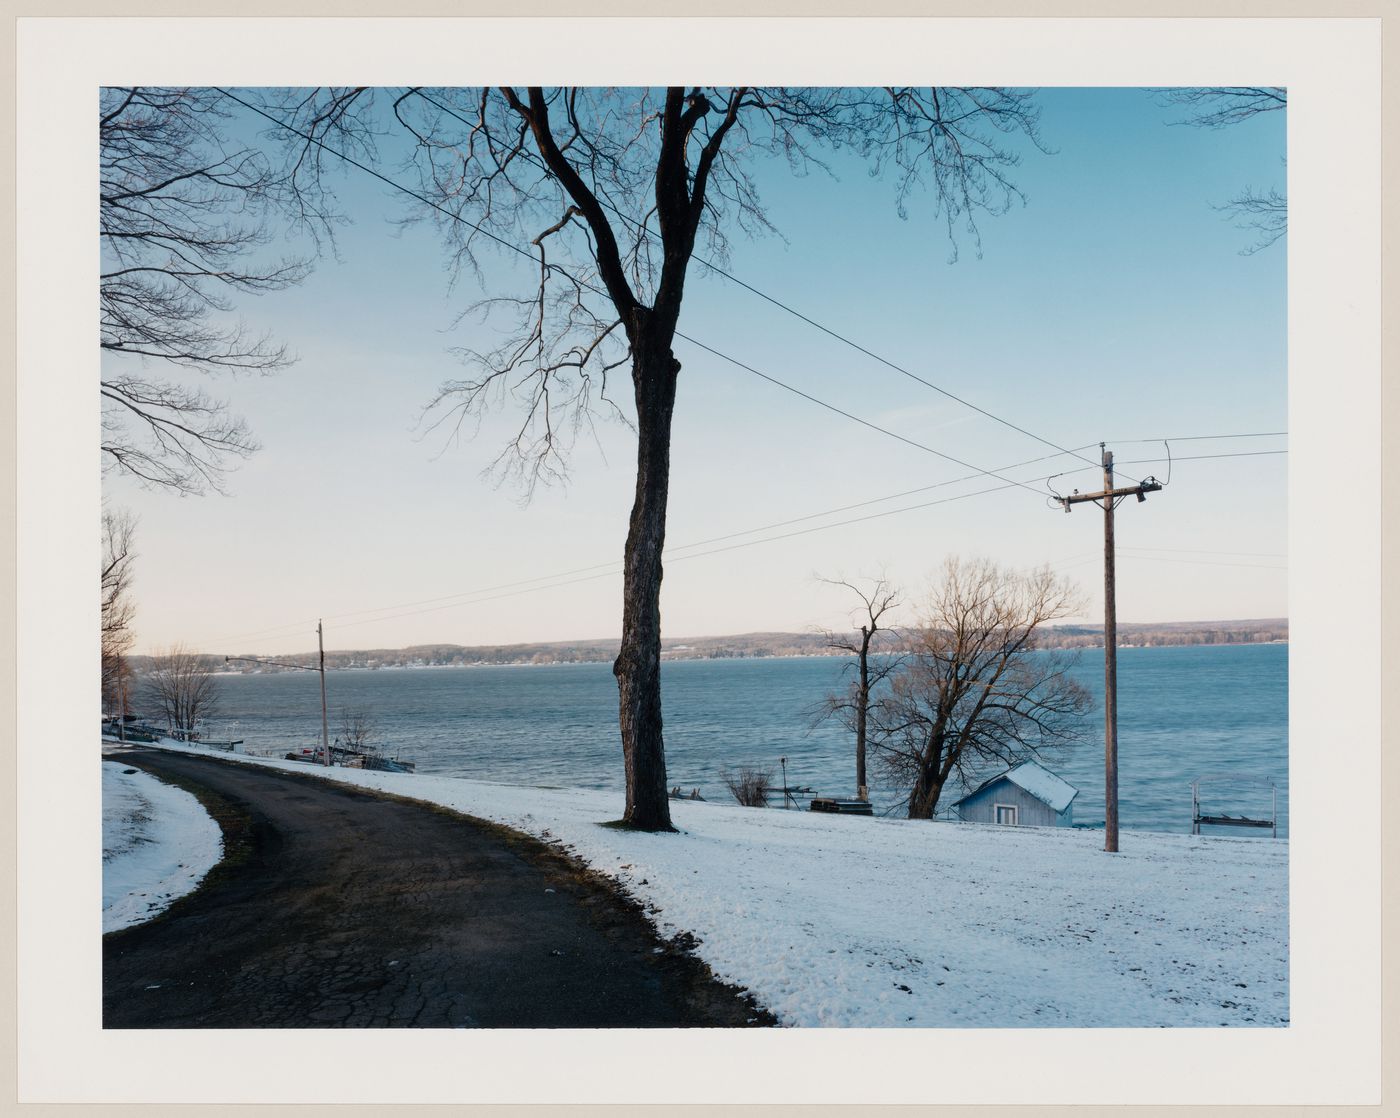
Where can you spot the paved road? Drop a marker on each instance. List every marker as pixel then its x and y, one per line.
pixel 335 907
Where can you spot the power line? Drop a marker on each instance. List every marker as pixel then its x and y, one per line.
pixel 1203 438
pixel 617 567
pixel 1204 551
pixel 712 266
pixel 590 287
pixel 1208 563
pixel 855 418
pixel 293 627
pixel 604 570
pixel 864 504
pixel 1203 457
pixel 310 138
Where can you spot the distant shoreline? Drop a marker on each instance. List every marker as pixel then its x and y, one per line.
pixel 745 646
pixel 667 658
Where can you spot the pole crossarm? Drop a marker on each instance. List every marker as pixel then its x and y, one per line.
pixel 1148 485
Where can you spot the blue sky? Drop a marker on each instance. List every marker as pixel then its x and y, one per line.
pixel 1114 305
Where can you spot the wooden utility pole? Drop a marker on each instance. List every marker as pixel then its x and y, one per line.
pixel 325 721
pixel 1108 500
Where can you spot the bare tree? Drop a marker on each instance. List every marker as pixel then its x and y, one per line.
pixel 182 217
pixel 1265 212
pixel 181 685
pixel 749 786
pixel 357 727
pixel 974 689
pixel 613 190
pixel 852 705
pixel 117 608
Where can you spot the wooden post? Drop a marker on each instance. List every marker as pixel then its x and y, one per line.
pixel 325 721
pixel 1110 668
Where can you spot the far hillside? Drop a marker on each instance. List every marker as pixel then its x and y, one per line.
pixel 759 645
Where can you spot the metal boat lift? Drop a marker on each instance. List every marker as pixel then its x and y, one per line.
pixel 1232 820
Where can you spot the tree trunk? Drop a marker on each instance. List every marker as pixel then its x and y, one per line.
pixel 933 774
pixel 862 707
pixel 638 665
pixel 924 798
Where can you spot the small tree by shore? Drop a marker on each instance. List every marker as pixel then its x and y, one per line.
pixel 749 786
pixel 182 687
pixel 970 694
pixel 852 704
pixel 357 728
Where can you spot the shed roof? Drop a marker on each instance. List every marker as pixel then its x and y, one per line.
pixel 1037 781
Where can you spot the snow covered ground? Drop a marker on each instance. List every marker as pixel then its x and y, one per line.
pixel 850 921
pixel 157 845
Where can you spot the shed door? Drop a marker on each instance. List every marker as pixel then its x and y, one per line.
pixel 1006 813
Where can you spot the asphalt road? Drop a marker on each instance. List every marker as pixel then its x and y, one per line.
pixel 339 908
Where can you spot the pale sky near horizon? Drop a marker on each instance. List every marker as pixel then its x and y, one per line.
pixel 1115 305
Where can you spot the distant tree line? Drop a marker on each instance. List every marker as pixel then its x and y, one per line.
pixel 761 645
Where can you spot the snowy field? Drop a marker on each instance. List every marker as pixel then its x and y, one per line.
pixel 854 922
pixel 157 845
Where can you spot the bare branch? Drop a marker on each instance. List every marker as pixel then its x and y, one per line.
pixel 181 685
pixel 1265 213
pixel 182 220
pixel 970 693
pixel 1219 106
pixel 118 608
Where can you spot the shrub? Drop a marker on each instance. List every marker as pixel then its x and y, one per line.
pixel 750 786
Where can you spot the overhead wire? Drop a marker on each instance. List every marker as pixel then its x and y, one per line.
pixel 1204 438
pixel 524 586
pixel 606 570
pixel 310 138
pixel 1209 551
pixel 670 552
pixel 773 300
pixel 1208 563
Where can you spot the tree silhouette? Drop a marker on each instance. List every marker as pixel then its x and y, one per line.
pixel 852 705
pixel 1263 211
pixel 973 689
pixel 613 191
pixel 182 216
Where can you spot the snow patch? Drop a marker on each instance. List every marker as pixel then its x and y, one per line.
pixel 855 922
pixel 158 843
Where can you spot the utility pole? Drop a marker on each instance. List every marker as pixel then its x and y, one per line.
pixel 325 722
pixel 1108 500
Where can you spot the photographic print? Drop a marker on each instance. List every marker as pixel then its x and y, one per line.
pixel 710 561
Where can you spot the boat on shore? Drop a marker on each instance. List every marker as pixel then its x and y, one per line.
pixel 346 757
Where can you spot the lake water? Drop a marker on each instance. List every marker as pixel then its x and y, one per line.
pixel 1182 712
